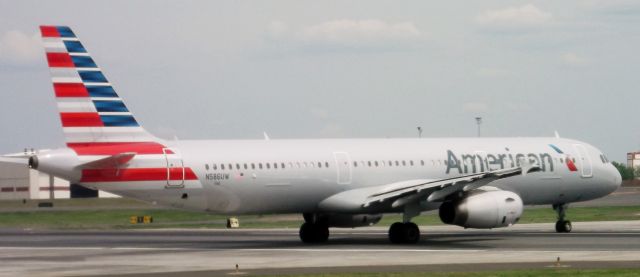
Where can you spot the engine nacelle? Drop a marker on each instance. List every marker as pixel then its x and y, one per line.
pixel 353 220
pixel 484 210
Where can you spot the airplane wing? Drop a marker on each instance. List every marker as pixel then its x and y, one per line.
pixel 411 191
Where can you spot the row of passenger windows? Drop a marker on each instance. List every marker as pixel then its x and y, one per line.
pixel 254 166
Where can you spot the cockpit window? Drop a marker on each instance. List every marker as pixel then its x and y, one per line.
pixel 604 158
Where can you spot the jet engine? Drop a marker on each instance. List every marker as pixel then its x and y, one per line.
pixel 353 220
pixel 483 210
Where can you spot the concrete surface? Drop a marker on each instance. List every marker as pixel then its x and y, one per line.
pixel 216 252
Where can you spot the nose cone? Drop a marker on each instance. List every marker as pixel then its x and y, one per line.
pixel 615 179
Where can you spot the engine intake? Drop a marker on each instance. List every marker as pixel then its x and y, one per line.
pixel 484 210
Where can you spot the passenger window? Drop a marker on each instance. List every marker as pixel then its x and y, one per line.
pixel 214 166
pixel 222 166
pixel 206 166
pixel 369 163
pixel 411 162
pixel 390 163
pixel 260 165
pixel 319 164
pixel 282 165
pixel 355 164
pixel 268 165
pixel 238 166
pixel 230 167
pixel 376 163
pixel 404 163
pixel 275 165
pixel 422 162
pixel 253 166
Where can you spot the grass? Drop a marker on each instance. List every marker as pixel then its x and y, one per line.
pixel 532 272
pixel 107 218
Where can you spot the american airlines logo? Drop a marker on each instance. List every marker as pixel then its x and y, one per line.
pixel 480 162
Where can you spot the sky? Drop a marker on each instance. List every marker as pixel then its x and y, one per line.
pixel 339 69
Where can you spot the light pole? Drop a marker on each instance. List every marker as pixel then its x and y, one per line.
pixel 479 121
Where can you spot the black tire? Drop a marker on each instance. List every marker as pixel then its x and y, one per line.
pixel 567 226
pixel 396 232
pixel 563 226
pixel 411 233
pixel 322 233
pixel 314 233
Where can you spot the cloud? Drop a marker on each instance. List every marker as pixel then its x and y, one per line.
pixel 18 48
pixel 319 113
pixel 573 59
pixel 348 33
pixel 526 15
pixel 475 107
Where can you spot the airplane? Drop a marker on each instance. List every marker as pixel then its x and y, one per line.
pixel 346 183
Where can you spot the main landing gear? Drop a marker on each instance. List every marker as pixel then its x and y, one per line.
pixel 406 231
pixel 315 229
pixel 562 225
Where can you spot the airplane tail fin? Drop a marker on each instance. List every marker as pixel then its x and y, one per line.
pixel 91 112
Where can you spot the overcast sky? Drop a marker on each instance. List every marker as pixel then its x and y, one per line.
pixel 325 69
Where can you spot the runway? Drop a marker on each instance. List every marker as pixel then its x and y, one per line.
pixel 216 252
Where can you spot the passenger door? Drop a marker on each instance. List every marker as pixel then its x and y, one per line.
pixel 175 168
pixel 343 167
pixel 584 161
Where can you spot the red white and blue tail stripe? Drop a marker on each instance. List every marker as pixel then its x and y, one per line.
pixel 90 109
pixel 112 147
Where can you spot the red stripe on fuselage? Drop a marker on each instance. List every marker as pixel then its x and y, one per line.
pixel 114 148
pixel 135 174
pixel 49 31
pixel 59 60
pixel 70 90
pixel 81 120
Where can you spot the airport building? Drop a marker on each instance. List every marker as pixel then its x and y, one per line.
pixel 19 182
pixel 633 159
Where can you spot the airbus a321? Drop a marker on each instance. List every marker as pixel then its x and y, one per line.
pixel 472 182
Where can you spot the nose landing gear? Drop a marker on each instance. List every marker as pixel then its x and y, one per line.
pixel 562 225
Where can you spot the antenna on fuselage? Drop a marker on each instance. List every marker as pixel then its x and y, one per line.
pixel 556 134
pixel 266 136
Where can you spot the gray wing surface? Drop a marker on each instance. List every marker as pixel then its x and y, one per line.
pixel 397 195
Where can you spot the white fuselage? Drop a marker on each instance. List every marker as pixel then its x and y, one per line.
pixel 295 176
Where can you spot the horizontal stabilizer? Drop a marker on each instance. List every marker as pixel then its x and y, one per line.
pixel 114 161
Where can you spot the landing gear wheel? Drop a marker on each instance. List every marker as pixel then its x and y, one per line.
pixel 563 226
pixel 395 232
pixel 404 232
pixel 314 233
